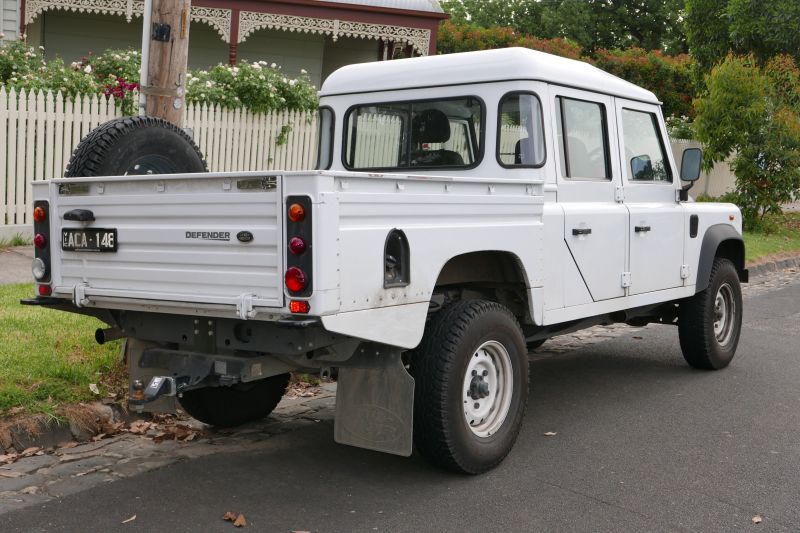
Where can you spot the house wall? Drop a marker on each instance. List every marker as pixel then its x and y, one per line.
pixel 347 51
pixel 73 35
pixel 292 51
pixel 9 19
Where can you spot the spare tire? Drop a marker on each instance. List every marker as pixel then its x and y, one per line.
pixel 135 145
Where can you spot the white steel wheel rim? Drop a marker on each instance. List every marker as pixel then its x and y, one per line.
pixel 487 389
pixel 724 314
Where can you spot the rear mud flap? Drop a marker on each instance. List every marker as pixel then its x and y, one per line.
pixel 375 401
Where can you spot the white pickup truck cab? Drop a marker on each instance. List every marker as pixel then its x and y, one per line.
pixel 465 208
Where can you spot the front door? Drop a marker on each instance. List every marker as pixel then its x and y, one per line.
pixel 650 183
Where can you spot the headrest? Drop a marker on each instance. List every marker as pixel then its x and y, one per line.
pixel 431 126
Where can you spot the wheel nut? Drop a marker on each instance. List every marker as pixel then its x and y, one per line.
pixel 477 405
pixel 485 372
pixel 474 372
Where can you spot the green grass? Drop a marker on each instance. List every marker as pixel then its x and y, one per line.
pixel 48 358
pixel 785 238
pixel 17 240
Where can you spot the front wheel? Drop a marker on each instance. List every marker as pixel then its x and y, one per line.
pixel 471 374
pixel 710 322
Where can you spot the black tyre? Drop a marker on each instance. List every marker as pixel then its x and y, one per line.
pixel 135 145
pixel 471 374
pixel 236 405
pixel 710 322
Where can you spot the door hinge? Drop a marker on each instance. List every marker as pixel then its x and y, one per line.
pixel 244 307
pixel 619 194
pixel 626 279
pixel 684 271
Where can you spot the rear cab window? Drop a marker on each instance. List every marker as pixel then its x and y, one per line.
pixel 583 146
pixel 445 133
pixel 520 131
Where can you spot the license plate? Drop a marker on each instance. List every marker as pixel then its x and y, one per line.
pixel 89 240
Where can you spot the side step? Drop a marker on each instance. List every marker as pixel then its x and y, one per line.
pixel 375 401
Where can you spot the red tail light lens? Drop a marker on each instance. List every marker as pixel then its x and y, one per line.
pixel 295 279
pixel 39 215
pixel 297 245
pixel 299 307
pixel 45 290
pixel 297 213
pixel 40 241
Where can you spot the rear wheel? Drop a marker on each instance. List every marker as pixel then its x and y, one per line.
pixel 710 322
pixel 135 146
pixel 235 405
pixel 471 374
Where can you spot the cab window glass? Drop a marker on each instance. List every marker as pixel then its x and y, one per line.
pixel 421 134
pixel 582 139
pixel 520 135
pixel 645 156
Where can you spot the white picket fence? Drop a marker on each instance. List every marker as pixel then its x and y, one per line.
pixel 39 131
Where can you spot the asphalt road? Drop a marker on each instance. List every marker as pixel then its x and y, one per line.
pixel 643 444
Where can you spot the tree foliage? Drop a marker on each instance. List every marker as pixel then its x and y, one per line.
pixel 593 24
pixel 763 29
pixel 750 116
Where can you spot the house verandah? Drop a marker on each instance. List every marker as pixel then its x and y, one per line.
pixel 316 36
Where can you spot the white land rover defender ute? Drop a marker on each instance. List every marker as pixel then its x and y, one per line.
pixel 465 208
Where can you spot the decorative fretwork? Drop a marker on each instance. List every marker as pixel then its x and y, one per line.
pixel 250 21
pixel 217 18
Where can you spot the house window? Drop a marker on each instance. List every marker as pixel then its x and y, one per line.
pixel 416 135
pixel 520 135
pixel 582 139
pixel 645 157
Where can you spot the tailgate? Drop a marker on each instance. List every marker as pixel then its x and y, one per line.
pixel 207 238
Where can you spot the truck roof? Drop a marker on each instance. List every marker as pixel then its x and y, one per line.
pixel 479 67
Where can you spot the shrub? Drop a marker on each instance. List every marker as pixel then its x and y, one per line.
pixel 258 86
pixel 747 115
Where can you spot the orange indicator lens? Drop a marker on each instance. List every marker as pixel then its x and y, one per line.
pixel 39 215
pixel 297 213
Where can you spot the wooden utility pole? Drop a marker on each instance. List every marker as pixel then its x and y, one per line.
pixel 165 88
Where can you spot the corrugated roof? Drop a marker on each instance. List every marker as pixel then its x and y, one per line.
pixel 431 6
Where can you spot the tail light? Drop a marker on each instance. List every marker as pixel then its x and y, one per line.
pixel 299 265
pixel 40 267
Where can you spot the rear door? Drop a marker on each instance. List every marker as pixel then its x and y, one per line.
pixel 205 239
pixel 588 176
pixel 656 217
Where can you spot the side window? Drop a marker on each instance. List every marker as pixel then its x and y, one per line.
pixel 520 131
pixel 582 139
pixel 420 134
pixel 645 158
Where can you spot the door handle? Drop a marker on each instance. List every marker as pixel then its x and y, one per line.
pixel 581 231
pixel 640 229
pixel 79 215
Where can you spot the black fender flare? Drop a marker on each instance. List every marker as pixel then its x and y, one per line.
pixel 720 240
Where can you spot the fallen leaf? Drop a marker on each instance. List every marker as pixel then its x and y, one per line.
pixel 30 490
pixel 8 458
pixel 229 516
pixel 101 436
pixel 139 427
pixel 27 452
pixel 94 388
pixel 550 434
pixel 11 474
pixel 757 519
pixel 131 519
pixel 240 521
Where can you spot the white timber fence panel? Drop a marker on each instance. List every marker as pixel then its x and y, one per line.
pixel 39 131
